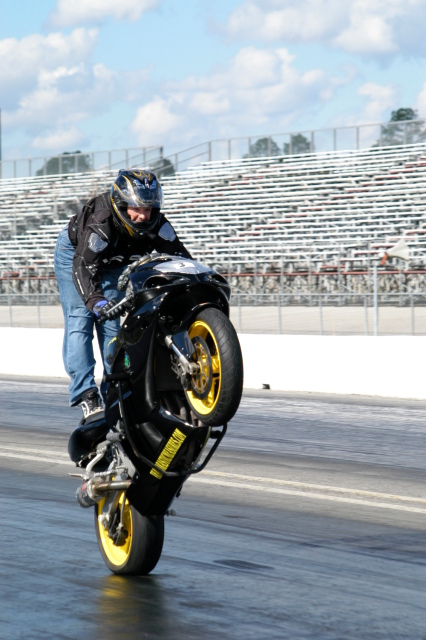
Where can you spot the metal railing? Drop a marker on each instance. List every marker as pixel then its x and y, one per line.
pixel 80 162
pixel 371 316
pixel 316 314
pixel 347 138
pixel 351 137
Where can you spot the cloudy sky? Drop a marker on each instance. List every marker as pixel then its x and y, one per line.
pixel 99 74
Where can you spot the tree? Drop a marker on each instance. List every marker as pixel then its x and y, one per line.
pixel 67 162
pixel 395 133
pixel 163 168
pixel 299 144
pixel 262 148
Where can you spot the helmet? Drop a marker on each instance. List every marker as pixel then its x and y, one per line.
pixel 136 188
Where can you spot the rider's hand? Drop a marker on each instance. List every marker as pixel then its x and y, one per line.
pixel 102 307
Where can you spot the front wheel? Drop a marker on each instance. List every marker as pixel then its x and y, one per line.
pixel 135 548
pixel 215 391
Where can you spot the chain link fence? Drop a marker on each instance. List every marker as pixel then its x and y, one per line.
pixel 278 313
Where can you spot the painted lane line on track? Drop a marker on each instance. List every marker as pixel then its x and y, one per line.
pixel 18 456
pixel 319 487
pixel 311 494
pixel 46 452
pixel 263 484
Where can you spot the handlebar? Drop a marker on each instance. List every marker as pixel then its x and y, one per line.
pixel 124 278
pixel 118 310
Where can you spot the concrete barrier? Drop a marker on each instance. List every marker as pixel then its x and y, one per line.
pixel 387 366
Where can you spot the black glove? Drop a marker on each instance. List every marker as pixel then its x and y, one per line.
pixel 102 307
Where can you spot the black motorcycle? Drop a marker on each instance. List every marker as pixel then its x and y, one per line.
pixel 176 379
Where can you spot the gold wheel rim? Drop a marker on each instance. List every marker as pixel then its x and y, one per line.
pixel 204 406
pixel 117 555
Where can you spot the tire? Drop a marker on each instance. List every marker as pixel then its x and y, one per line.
pixel 215 392
pixel 143 546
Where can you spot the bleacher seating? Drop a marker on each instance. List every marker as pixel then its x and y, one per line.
pixel 290 213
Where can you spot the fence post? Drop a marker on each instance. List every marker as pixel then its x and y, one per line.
pixel 210 150
pixel 320 312
pixel 366 314
pixel 309 281
pixel 376 301
pixel 38 305
pixel 8 297
pixel 229 148
pixel 357 138
pixel 279 314
pixel 339 278
pixel 412 314
pixel 239 313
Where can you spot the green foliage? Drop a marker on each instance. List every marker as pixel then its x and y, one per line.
pixel 299 144
pixel 163 168
pixel 403 128
pixel 67 162
pixel 403 114
pixel 262 148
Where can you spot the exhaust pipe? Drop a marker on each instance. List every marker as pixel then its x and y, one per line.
pixel 91 491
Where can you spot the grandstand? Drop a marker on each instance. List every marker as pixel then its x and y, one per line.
pixel 277 221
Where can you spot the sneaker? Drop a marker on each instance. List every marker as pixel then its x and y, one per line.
pixel 91 403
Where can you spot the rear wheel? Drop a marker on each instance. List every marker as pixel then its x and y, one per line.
pixel 215 391
pixel 134 549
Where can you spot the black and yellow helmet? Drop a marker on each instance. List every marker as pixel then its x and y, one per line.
pixel 136 188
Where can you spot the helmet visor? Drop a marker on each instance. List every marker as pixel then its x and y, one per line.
pixel 139 192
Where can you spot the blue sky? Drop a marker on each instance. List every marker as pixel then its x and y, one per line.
pixel 111 74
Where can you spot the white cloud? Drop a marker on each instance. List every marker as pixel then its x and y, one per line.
pixel 257 89
pixel 82 12
pixel 420 104
pixel 272 20
pixel 376 27
pixel 24 61
pixel 380 100
pixel 49 86
pixel 154 121
pixel 63 96
pixel 59 139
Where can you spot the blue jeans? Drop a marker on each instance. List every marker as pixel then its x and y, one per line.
pixel 77 350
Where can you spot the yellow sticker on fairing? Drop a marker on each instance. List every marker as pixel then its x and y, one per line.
pixel 165 458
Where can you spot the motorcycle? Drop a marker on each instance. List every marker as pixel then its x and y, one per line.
pixel 175 381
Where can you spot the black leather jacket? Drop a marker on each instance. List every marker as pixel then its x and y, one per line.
pixel 100 245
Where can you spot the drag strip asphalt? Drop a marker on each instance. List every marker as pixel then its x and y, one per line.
pixel 309 522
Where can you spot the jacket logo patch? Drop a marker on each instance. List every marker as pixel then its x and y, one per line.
pixel 167 232
pixel 96 244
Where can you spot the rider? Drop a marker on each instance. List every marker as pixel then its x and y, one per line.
pixel 113 230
